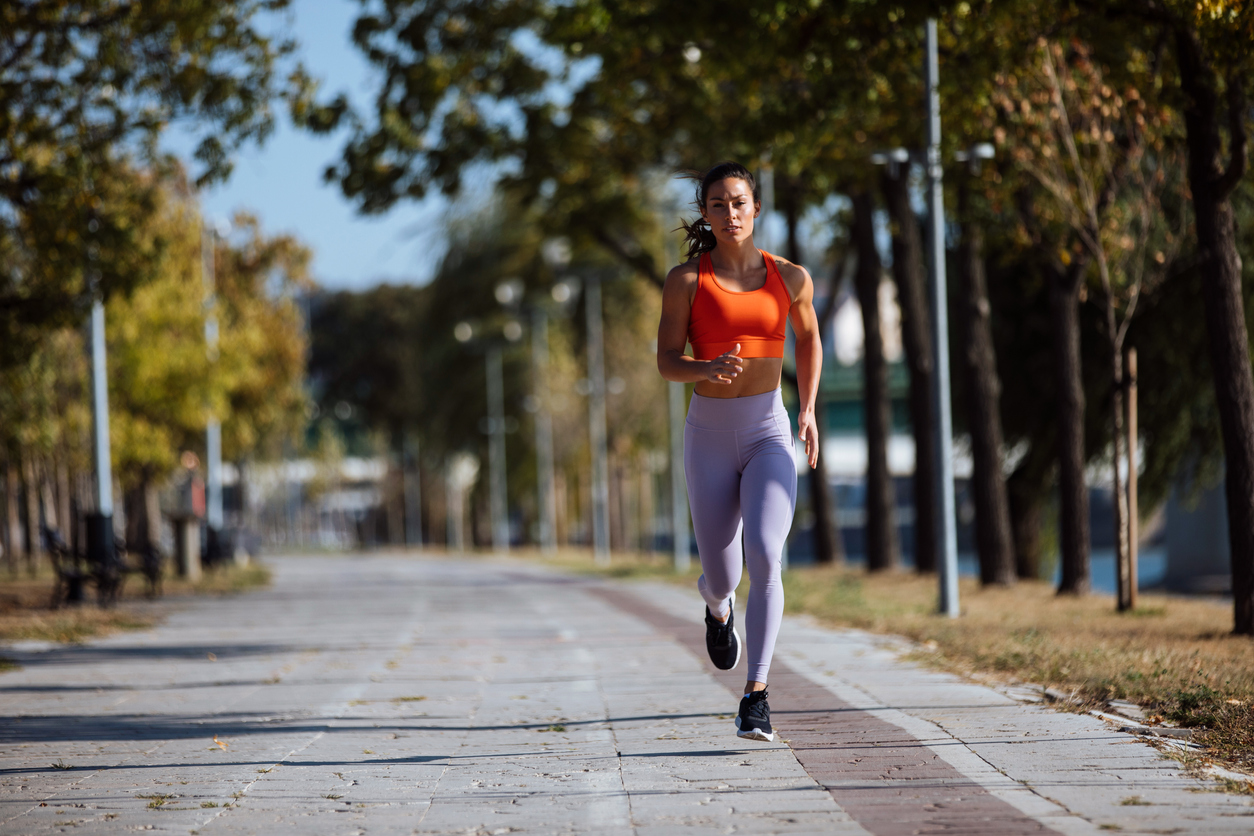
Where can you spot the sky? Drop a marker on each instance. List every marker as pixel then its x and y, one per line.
pixel 281 181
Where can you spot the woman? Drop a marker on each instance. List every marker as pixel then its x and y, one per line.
pixel 731 300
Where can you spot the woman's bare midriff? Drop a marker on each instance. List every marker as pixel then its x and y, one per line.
pixel 760 375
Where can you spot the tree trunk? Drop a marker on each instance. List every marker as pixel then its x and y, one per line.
pixel 65 514
pixel 881 535
pixel 1027 490
pixel 1073 497
pixel 12 545
pixel 1123 565
pixel 916 336
pixel 978 361
pixel 828 546
pixel 34 543
pixel 152 514
pixel 1221 293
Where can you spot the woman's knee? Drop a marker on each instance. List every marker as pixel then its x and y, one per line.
pixel 719 586
pixel 763 561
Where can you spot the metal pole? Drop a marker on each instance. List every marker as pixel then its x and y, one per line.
pixel 947 535
pixel 454 535
pixel 1133 501
pixel 411 481
pixel 496 452
pixel 544 431
pixel 100 542
pixel 679 485
pixel 100 412
pixel 213 433
pixel 596 424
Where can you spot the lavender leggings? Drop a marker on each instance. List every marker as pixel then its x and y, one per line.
pixel 738 457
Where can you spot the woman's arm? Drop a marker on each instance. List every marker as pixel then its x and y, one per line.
pixel 809 353
pixel 672 335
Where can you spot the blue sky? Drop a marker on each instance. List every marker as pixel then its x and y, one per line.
pixel 281 182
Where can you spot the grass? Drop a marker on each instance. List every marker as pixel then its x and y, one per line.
pixel 1175 657
pixel 26 612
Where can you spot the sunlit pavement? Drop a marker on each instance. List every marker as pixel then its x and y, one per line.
pixel 405 695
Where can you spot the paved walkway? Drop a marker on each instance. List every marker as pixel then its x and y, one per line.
pixel 380 695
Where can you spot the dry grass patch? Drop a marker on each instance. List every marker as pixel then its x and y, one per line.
pixel 1175 657
pixel 26 610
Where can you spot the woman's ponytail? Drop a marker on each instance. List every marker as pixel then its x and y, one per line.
pixel 698 237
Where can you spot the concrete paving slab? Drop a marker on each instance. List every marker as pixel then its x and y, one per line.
pixel 390 694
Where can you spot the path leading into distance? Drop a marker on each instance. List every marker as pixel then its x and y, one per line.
pixel 398 695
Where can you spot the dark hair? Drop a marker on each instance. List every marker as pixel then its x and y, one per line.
pixel 699 238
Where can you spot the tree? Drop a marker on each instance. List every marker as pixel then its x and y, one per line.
pixel 881 531
pixel 1100 156
pixel 977 365
pixel 164 382
pixel 86 87
pixel 910 277
pixel 1213 58
pixel 262 281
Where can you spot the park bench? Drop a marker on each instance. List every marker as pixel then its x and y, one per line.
pixel 73 570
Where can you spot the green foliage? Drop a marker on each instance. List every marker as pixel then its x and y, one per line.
pixel 164 383
pixel 86 88
pixel 391 354
pixel 260 283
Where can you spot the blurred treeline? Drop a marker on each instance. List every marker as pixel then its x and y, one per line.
pixel 1112 213
pixel 390 374
pixel 164 381
pixel 91 209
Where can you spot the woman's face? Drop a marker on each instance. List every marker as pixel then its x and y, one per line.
pixel 730 210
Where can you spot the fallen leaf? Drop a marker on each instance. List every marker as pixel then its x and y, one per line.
pixel 213 657
pixel 222 744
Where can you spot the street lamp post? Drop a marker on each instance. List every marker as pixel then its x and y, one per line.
pixel 100 546
pixel 213 431
pixel 596 422
pixel 497 500
pixel 544 430
pixel 411 486
pixel 947 537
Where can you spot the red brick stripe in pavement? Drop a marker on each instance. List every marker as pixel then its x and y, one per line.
pixel 889 782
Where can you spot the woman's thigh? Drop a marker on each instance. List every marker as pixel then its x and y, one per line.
pixel 768 497
pixel 712 469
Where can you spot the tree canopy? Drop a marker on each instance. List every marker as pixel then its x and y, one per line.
pixel 86 89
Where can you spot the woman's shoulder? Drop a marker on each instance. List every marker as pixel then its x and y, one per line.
pixel 794 276
pixel 684 275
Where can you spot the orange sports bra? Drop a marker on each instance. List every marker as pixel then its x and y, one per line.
pixel 720 318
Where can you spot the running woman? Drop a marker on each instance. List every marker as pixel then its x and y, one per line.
pixel 730 300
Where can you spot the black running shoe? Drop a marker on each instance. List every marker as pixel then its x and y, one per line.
pixel 721 639
pixel 754 721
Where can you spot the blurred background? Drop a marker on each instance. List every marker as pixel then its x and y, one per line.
pixel 374 274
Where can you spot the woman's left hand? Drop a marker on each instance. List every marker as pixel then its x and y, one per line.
pixel 808 432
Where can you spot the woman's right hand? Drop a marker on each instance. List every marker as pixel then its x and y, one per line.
pixel 723 368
